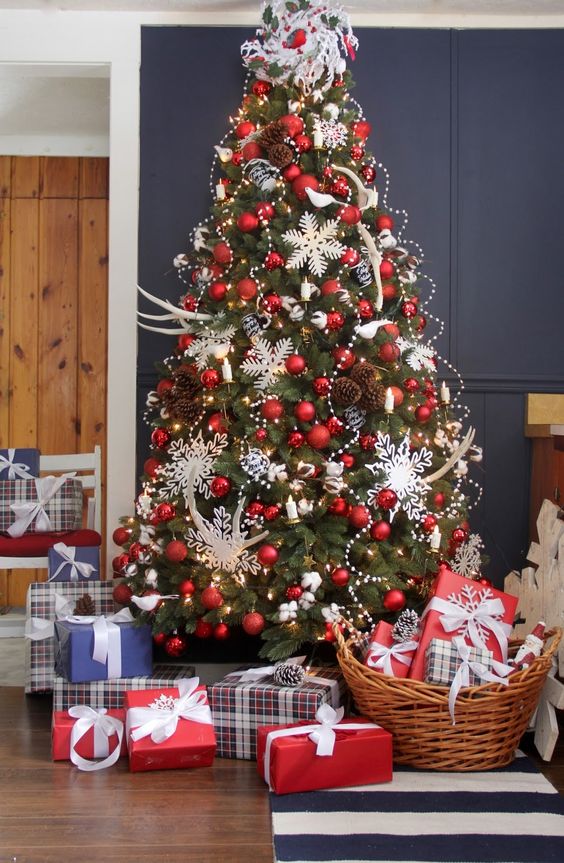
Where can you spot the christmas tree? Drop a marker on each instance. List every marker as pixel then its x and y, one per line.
pixel 306 467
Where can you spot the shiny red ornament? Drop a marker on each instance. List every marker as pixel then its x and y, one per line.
pixel 398 396
pixel 384 222
pixel 247 289
pixel 344 357
pixel 357 152
pixel 186 587
pixel 349 214
pixel 254 509
pixel 122 594
pixel 328 171
pixel 217 423
pixel 408 309
pixel 159 638
pixel 361 129
pixel 252 150
pixel 347 459
pixel 210 379
pixel 389 292
pixel 392 330
pixel 432 402
pixel 421 323
pixel 222 253
pixel 261 88
pixel 184 341
pixel 247 222
pixel 335 320
pixel 237 159
pixel 338 506
pixel 272 303
pixel 121 535
pixel 165 511
pixel 119 563
pixel 175 645
pixel 272 409
pixel 221 631
pixel 331 286
pixel 220 486
pixel 244 129
pixel 335 426
pixel 367 442
pixel 265 211
pixel 365 309
pixel 359 516
pixel 160 437
pixel 273 261
pixel 217 291
pixel 411 385
pixel 340 576
pixel 380 530
pixel 303 143
pixel 267 555
pixel 321 386
pixel 272 512
pixel 319 436
pixel 423 414
pixel 295 364
pixel 459 535
pixel 189 304
pixel 164 385
pixel 253 623
pixel 135 549
pixel 261 434
pixel 211 597
pixel 294 592
pixel 388 352
pixel 340 187
pixel 304 411
pixel 394 600
pixel 386 269
pixel 303 182
pixel 369 173
pixel 428 524
pixel 293 124
pixel 386 498
pixel 291 172
pixel 439 500
pixel 203 629
pixel 350 257
pixel 296 439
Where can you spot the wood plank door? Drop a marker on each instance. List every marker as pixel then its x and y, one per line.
pixel 53 312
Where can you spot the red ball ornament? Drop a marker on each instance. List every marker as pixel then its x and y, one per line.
pixel 160 437
pixel 340 187
pixel 244 129
pixel 222 253
pixel 122 594
pixel 432 402
pixel 251 150
pixel 344 357
pixel 151 467
pixel 261 88
pixel 350 257
pixel 176 551
pixel 357 152
pixel 389 292
pixel 186 587
pixel 159 638
pixel 367 442
pixel 184 341
pixel 121 535
pixel 254 509
pixel 217 291
pixel 237 159
pixel 220 486
pixel 398 396
pixel 408 309
pixel 338 506
pixel 386 498
pixel 272 512
pixel 293 124
pixel 386 269
pixel 303 143
pixel 388 352
pixel 335 320
pixel 135 549
pixel 294 592
pixel 331 286
pixel 296 439
pixel 267 555
pixel 365 309
pixel 359 516
pixel 380 530
pixel 347 459
pixel 329 633
pixel 119 563
pixel 272 303
pixel 428 524
pixel 210 379
pixel 361 129
pixel 394 600
pixel 459 535
pixel 203 629
pixel 291 172
pixel 350 214
pixel 217 423
pixel 303 182
pixel 384 222
pixel 261 434
pixel 265 211
pixel 369 173
pixel 304 411
pixel 321 386
pixel 392 330
pixel 165 384
pixel 319 436
pixel 423 413
pixel 165 512
pixel 253 623
pixel 247 289
pixel 335 426
pixel 340 576
pixel 175 645
pixel 421 323
pixel 189 304
pixel 221 631
pixel 247 222
pixel 439 500
pixel 272 409
pixel 411 385
pixel 273 261
pixel 295 364
pixel 211 597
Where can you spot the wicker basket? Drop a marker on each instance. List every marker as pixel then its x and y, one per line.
pixel 490 719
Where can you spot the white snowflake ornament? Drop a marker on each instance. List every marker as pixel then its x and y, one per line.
pixel 334 134
pixel 267 361
pixel 314 245
pixel 402 471
pixel 468 556
pixel 191 465
pixel 418 356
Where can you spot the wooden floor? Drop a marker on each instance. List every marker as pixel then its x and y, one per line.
pixel 50 812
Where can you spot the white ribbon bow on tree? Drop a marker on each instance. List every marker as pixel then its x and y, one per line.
pixel 46 488
pixel 160 723
pixel 496 674
pixel 77 567
pixel 104 727
pixel 476 617
pixel 16 469
pixel 107 637
pixel 380 657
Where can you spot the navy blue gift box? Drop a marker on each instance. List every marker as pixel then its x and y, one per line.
pixel 19 463
pixel 61 569
pixel 74 646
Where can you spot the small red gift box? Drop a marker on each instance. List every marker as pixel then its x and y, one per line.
pixel 482 615
pixel 169 728
pixel 386 655
pixel 290 761
pixel 83 733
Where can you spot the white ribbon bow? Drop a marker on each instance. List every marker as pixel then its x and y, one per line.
pixel 471 619
pixel 46 488
pixel 380 657
pixel 462 677
pixel 39 628
pixel 104 726
pixel 15 468
pixel 257 675
pixel 107 637
pixel 161 723
pixel 77 567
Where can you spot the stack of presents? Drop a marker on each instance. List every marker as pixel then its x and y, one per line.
pixel 110 701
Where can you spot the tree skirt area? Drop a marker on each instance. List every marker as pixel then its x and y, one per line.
pixel 510 815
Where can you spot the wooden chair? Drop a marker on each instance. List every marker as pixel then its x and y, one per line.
pixel 30 550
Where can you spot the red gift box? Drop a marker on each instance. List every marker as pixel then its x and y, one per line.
pixel 482 615
pixel 386 655
pixel 169 728
pixel 94 737
pixel 289 762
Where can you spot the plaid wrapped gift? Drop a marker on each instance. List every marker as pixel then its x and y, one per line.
pixel 19 463
pixel 109 693
pixel 239 707
pixel 43 601
pixel 442 661
pixel 40 505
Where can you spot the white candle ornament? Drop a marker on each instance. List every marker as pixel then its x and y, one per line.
pixel 445 394
pixel 226 371
pixel 305 290
pixel 291 509
pixel 220 192
pixel 389 402
pixel 435 538
pixel 318 139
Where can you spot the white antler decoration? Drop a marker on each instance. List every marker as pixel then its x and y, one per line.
pixel 181 316
pixel 457 454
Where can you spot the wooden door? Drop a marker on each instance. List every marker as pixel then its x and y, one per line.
pixel 53 312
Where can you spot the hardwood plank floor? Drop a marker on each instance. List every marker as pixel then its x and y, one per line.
pixel 50 813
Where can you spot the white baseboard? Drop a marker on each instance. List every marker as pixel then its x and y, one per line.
pixel 12 624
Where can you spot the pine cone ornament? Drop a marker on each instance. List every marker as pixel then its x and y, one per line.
pixel 287 674
pixel 280 155
pixel 364 373
pixel 345 392
pixel 85 606
pixel 373 397
pixel 183 400
pixel 406 626
pixel 274 133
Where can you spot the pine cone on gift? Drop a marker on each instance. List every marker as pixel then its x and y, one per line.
pixel 85 606
pixel 280 155
pixel 287 674
pixel 183 400
pixel 364 373
pixel 345 392
pixel 373 397
pixel 274 133
pixel 406 626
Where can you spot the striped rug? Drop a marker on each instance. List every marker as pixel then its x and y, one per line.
pixel 512 815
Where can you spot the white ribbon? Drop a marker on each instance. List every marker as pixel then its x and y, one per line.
pixel 380 657
pixel 15 468
pixel 77 567
pixel 104 726
pixel 486 614
pixel 482 672
pixel 107 637
pixel 258 675
pixel 323 734
pixel 39 628
pixel 46 488
pixel 161 724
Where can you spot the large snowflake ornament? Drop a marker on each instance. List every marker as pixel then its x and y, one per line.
pixel 221 542
pixel 313 245
pixel 301 43
pixel 267 361
pixel 419 356
pixel 402 471
pixel 191 465
pixel 211 344
pixel 334 134
pixel 468 556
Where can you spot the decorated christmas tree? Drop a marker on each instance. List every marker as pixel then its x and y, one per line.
pixel 306 466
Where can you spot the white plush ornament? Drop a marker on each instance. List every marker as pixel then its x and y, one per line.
pixel 151 577
pixel 408 277
pixel 130 570
pixel 145 557
pixel 181 261
pixel 319 320
pixel 287 611
pixel 331 613
pixel 153 399
pixel 305 470
pixel 146 534
pixel 333 482
pixel 476 453
pixel 297 313
pixel 277 473
pixel 311 581
pixel 164 414
pixel 369 330
pixel 305 507
pixel 201 237
pixel 461 468
pixel 331 110
pixel 387 239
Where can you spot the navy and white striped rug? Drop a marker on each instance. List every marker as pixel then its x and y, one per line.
pixel 511 815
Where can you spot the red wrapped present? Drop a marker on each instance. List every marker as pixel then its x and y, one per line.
pixel 387 655
pixel 328 753
pixel 481 615
pixel 169 728
pixel 82 734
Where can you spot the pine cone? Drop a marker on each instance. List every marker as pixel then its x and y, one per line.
pixel 84 606
pixel 274 133
pixel 345 392
pixel 183 400
pixel 406 626
pixel 280 155
pixel 364 373
pixel 373 397
pixel 287 674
